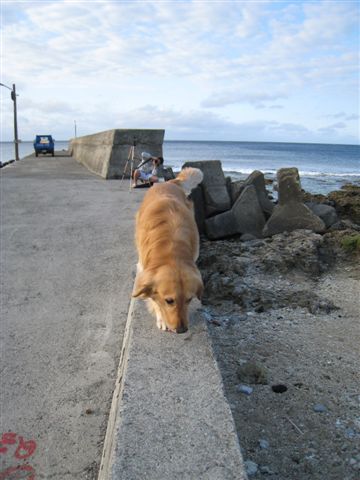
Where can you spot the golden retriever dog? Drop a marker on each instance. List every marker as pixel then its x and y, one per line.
pixel 167 241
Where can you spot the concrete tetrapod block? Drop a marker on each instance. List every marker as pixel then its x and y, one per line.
pixel 221 226
pixel 235 189
pixel 199 209
pixel 106 153
pixel 292 216
pixel 246 216
pixel 171 419
pixel 289 186
pixel 216 196
pixel 257 179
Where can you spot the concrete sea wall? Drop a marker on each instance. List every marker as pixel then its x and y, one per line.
pixel 106 153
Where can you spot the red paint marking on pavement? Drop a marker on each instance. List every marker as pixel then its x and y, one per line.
pixel 8 438
pixel 25 449
pixel 21 472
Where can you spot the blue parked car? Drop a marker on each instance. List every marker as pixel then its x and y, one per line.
pixel 44 144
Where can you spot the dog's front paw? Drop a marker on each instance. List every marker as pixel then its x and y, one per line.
pixel 161 324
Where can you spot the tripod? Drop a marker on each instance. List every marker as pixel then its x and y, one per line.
pixel 131 160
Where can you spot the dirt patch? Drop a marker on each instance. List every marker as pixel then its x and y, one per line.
pixel 283 315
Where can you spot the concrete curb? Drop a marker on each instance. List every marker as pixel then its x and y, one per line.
pixel 169 417
pixel 117 395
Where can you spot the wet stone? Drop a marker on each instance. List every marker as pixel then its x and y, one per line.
pixel 251 467
pixel 319 408
pixel 263 444
pixel 245 389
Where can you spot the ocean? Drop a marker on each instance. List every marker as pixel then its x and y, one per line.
pixel 322 167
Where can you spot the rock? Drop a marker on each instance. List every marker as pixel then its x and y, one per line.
pixel 255 243
pixel 265 470
pixel 216 285
pixel 319 408
pixel 291 214
pixel 216 196
pixel 264 444
pixel 355 464
pixel 327 213
pixel 344 225
pixel 252 373
pixel 247 237
pixel 246 216
pixel 350 433
pixel 206 315
pixel 251 467
pixel 347 202
pixel 301 250
pixel 245 389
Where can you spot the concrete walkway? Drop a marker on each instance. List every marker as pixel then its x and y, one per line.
pixel 68 261
pixel 67 270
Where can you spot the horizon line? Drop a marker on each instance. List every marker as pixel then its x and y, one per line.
pixel 217 141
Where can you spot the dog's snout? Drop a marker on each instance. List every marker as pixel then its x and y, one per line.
pixel 181 329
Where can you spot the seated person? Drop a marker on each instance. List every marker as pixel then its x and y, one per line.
pixel 148 170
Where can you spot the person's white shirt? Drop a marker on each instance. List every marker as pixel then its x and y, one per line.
pixel 148 166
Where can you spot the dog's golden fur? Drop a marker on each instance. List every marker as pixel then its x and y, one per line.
pixel 167 241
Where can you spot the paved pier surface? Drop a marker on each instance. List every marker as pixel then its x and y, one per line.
pixel 68 264
pixel 67 268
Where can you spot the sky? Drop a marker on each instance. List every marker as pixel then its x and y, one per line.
pixel 250 70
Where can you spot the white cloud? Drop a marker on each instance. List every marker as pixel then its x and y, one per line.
pixel 231 97
pixel 333 126
pixel 344 116
pixel 104 60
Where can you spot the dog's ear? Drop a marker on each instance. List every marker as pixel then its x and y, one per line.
pixel 143 285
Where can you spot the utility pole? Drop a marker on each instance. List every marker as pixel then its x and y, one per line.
pixel 16 139
pixel 75 127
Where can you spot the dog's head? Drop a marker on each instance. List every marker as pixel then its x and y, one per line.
pixel 172 288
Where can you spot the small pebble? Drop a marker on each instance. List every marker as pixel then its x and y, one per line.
pixel 206 315
pixel 251 467
pixel 245 389
pixel 264 444
pixel 265 470
pixel 350 433
pixel 353 462
pixel 319 408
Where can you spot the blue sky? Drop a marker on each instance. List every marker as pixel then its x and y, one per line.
pixel 202 70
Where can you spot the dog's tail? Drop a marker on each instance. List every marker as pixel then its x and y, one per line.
pixel 189 178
